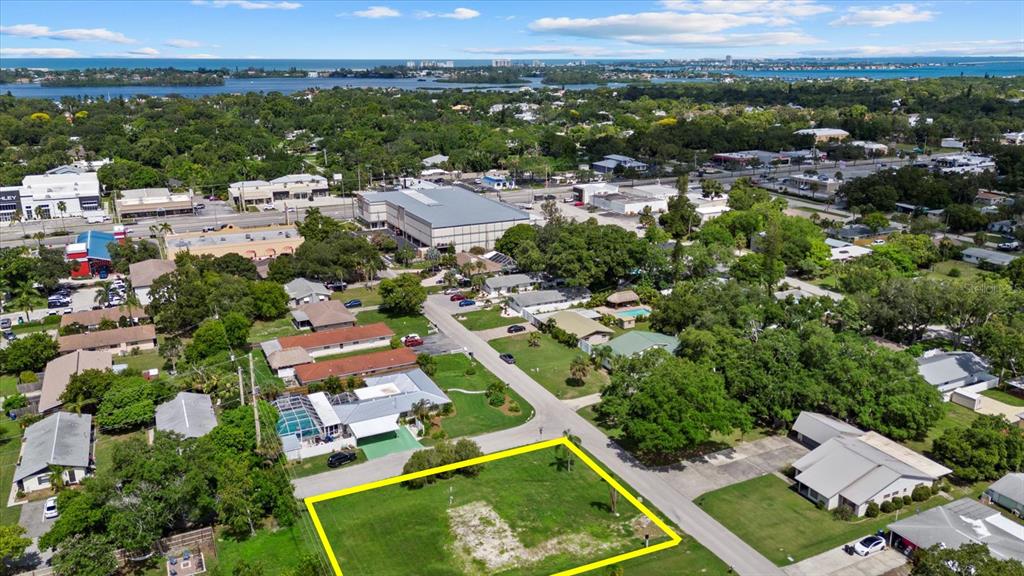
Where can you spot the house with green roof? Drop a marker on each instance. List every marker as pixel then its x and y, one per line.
pixel 639 341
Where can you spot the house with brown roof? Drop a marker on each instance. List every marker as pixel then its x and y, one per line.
pixel 589 332
pixel 119 341
pixel 334 341
pixel 363 365
pixel 319 316
pixel 142 274
pixel 60 370
pixel 92 319
pixel 283 362
pixel 480 263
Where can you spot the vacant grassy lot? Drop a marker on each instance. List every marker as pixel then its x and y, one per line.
pixel 104 448
pixel 548 364
pixel 8 385
pixel 262 331
pixel 10 446
pixel 486 319
pixel 275 552
pixel 47 323
pixel 1005 396
pixel 941 269
pixel 142 361
pixel 473 415
pixel 370 297
pixel 402 325
pixel 560 518
pixel 781 524
pixel 955 416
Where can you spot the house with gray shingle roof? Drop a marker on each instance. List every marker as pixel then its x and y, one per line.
pixel 964 521
pixel 1008 492
pixel 188 414
pixel 302 291
pixel 62 439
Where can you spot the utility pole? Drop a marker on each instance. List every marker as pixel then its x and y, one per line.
pixel 255 407
pixel 241 391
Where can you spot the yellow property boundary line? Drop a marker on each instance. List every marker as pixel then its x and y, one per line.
pixel 674 539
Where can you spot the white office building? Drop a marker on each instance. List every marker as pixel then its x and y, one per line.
pixel 291 187
pixel 44 193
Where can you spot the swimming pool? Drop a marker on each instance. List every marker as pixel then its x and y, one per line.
pixel 634 313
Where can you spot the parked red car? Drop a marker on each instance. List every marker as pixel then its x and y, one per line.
pixel 457 297
pixel 577 204
pixel 412 340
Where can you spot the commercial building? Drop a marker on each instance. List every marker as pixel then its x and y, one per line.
pixel 815 183
pixel 628 204
pixel 291 187
pixel 361 366
pixel 871 148
pixel 334 341
pixel 302 291
pixel 90 252
pixel 964 164
pixel 40 195
pixel 62 439
pixel 320 316
pixel 439 218
pixel 145 202
pixel 59 371
pixel 253 243
pixel 824 134
pixel 119 341
pixel 188 414
pixel 435 160
pixel 952 525
pixel 142 274
pixel 853 468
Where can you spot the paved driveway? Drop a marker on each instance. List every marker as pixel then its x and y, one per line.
pixel 731 466
pixel 32 519
pixel 993 406
pixel 435 344
pixel 502 332
pixel 838 563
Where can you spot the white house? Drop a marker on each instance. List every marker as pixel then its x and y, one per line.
pixel 62 439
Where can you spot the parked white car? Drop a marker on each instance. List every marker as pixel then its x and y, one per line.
pixel 50 508
pixel 868 546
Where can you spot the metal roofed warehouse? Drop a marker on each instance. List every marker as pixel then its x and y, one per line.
pixel 439 217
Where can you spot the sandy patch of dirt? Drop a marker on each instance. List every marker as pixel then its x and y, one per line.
pixel 484 540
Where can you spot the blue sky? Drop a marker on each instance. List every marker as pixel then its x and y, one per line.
pixel 521 30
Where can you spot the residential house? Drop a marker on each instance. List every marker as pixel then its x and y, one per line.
pixel 284 361
pixel 853 471
pixel 482 263
pixel 852 232
pixel 812 429
pixel 979 256
pixel 636 342
pixel 612 161
pixel 120 341
pixel 91 319
pixel 188 414
pixel 540 301
pixel 843 251
pixel 301 291
pixel 60 370
pixel 510 283
pixel 361 366
pixel 589 333
pixel 1008 492
pixel 964 521
pixel 324 315
pixel 142 274
pixel 435 160
pixel 61 439
pixel 334 341
pixel 950 371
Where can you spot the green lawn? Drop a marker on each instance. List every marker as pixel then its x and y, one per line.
pixel 263 331
pixel 955 416
pixel 1004 397
pixel 8 385
pixel 104 448
pixel 941 269
pixel 548 364
pixel 781 524
pixel 318 464
pixel 370 297
pixel 537 499
pixel 402 325
pixel 10 446
pixel 486 319
pixel 142 361
pixel 275 552
pixel 47 323
pixel 473 415
pixel 689 557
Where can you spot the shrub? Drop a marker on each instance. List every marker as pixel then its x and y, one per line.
pixel 843 513
pixel 395 342
pixel 936 488
pixel 921 493
pixel 887 507
pixel 471 370
pixel 907 501
pixel 872 511
pixel 820 505
pixel 27 377
pixel 513 407
pixel 954 273
pixel 496 393
pixel 897 503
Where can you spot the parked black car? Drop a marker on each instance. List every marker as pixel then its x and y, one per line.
pixel 340 459
pixel 516 329
pixel 508 358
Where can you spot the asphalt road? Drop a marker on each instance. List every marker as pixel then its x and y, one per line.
pixel 550 419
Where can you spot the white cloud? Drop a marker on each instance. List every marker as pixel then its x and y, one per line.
pixel 571 50
pixel 791 8
pixel 198 56
pixel 726 40
pixel 39 52
pixel 646 23
pixel 147 51
pixel 377 12
pixel 74 34
pixel 249 4
pixel 457 14
pixel 182 43
pixel 945 48
pixel 884 16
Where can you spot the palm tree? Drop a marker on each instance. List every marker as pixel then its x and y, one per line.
pixel 39 236
pixel 62 207
pixel 602 356
pixel 19 216
pixel 534 340
pixel 56 478
pixel 370 267
pixel 24 293
pixel 162 230
pixel 39 214
pixel 579 368
pixel 421 411
pixel 567 454
pixel 103 294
